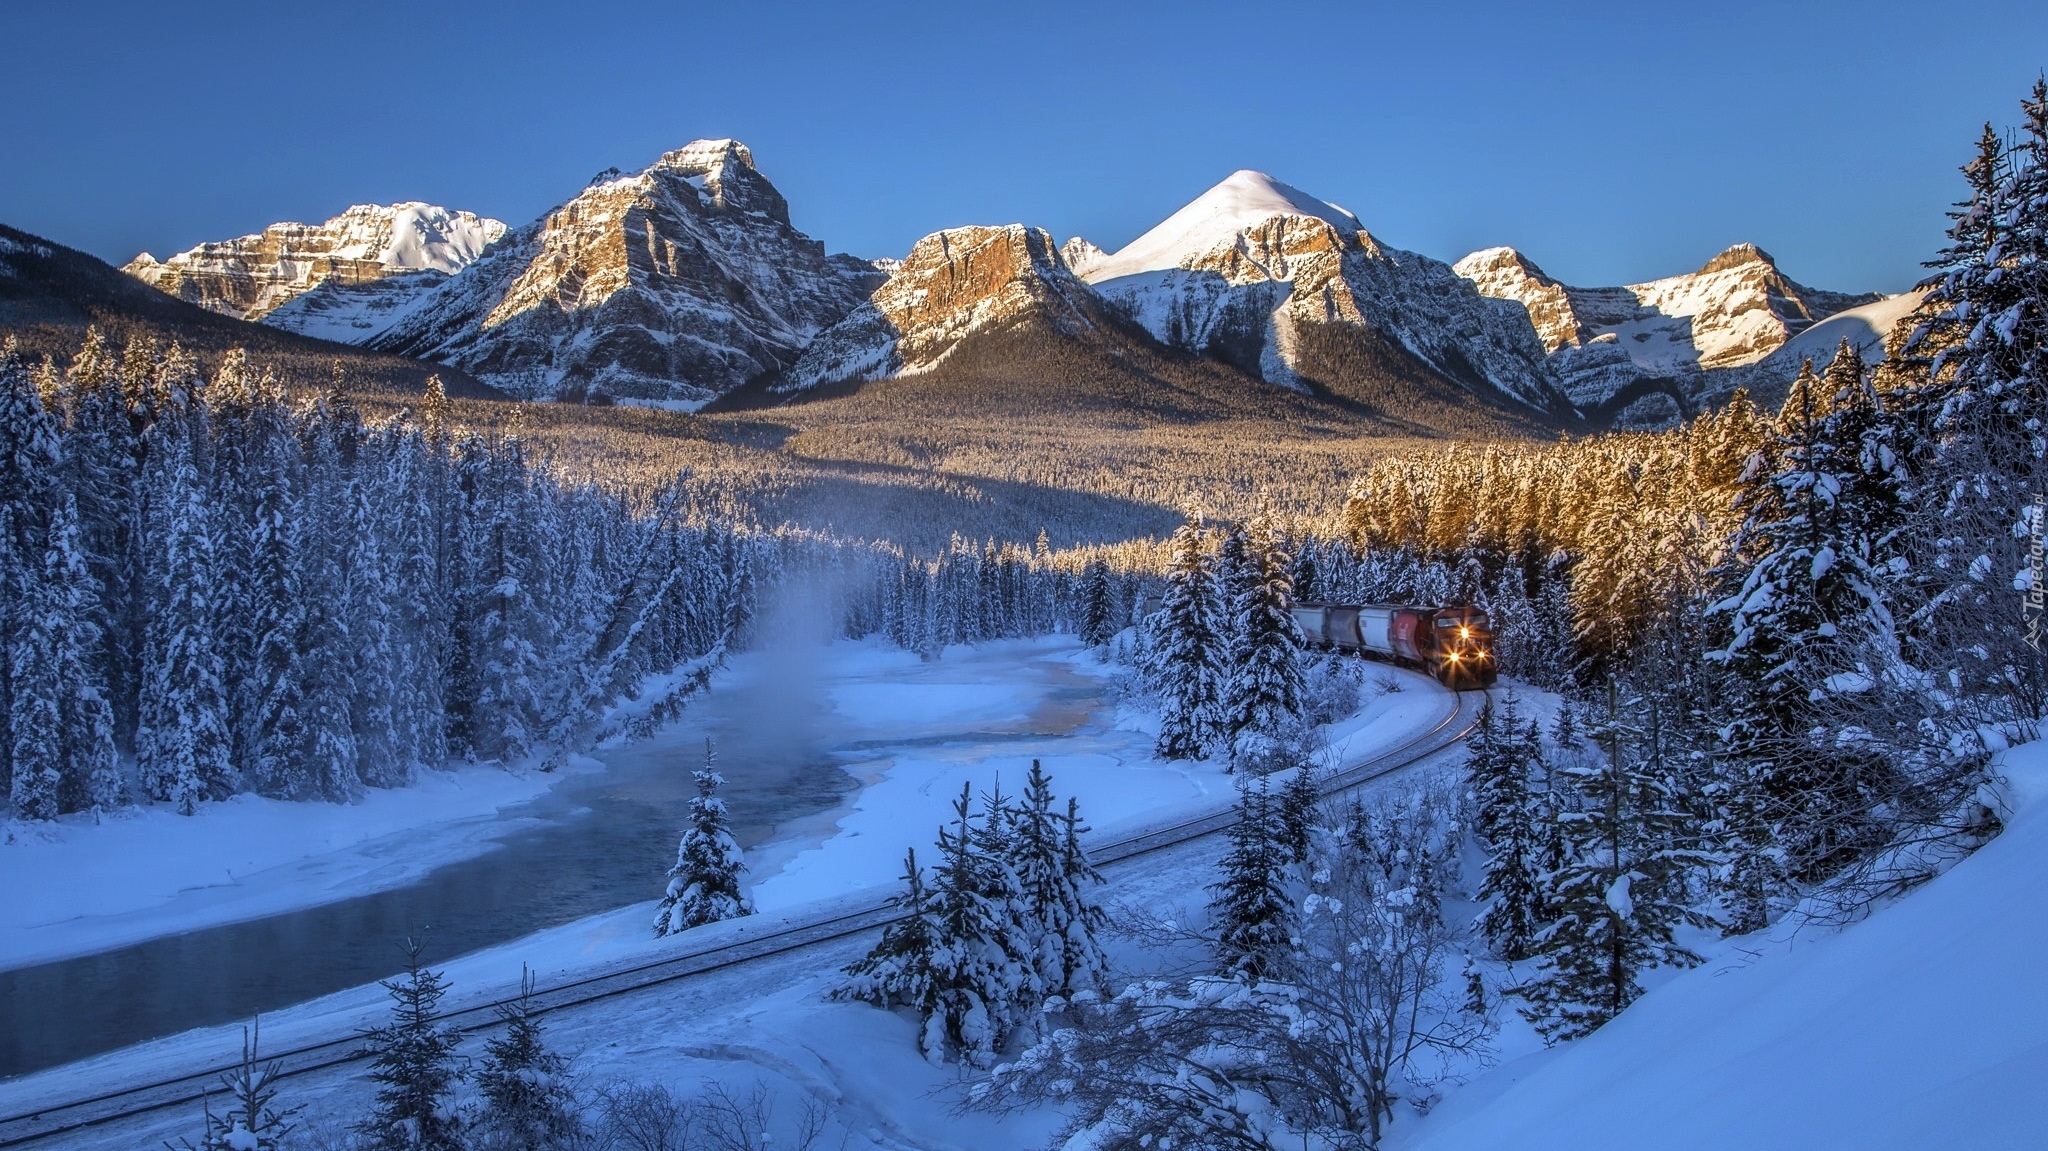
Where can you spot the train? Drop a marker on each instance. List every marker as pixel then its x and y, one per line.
pixel 1454 644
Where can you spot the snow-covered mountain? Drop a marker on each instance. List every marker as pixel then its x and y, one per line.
pixel 251 277
pixel 678 283
pixel 1733 312
pixel 1253 268
pixel 954 284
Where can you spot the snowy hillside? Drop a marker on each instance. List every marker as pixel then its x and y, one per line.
pixel 1865 327
pixel 1924 1026
pixel 252 276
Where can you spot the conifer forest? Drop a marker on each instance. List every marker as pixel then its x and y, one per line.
pixel 635 682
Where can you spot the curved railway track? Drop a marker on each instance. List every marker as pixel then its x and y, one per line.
pixel 58 1119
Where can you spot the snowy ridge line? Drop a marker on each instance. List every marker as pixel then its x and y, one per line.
pixel 62 1118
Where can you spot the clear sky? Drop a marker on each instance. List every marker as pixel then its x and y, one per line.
pixel 1610 142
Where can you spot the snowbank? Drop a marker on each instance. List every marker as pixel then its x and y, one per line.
pixel 75 888
pixel 1923 1026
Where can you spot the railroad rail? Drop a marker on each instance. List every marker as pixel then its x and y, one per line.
pixel 57 1119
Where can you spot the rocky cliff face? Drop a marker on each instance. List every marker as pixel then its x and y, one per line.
pixel 675 284
pixel 252 276
pixel 1733 312
pixel 1250 270
pixel 954 284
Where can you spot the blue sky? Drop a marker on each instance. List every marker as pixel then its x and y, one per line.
pixel 1610 142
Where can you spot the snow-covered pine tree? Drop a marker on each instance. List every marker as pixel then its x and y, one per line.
pixel 1235 569
pixel 274 688
pixel 1810 617
pixel 1058 909
pixel 978 980
pixel 1505 756
pixel 508 706
pixel 90 771
pixel 1621 895
pixel 1980 406
pixel 1263 694
pixel 35 719
pixel 329 558
pixel 1098 605
pixel 1306 575
pixel 185 748
pixel 1082 962
pixel 704 885
pixel 1186 649
pixel 413 1062
pixel 525 1100
pixel 903 968
pixel 1251 908
pixel 30 459
pixel 252 1121
pixel 1296 811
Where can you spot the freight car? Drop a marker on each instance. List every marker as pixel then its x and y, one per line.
pixel 1454 644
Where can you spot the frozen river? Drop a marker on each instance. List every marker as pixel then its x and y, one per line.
pixel 798 735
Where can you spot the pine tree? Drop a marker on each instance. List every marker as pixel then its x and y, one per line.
pixel 1299 801
pixel 704 885
pixel 1978 449
pixel 1504 755
pixel 1251 909
pixel 978 978
pixel 1621 895
pixel 1810 616
pixel 185 749
pixel 1098 605
pixel 252 1123
pixel 1186 650
pixel 1058 913
pixel 525 1100
pixel 90 771
pixel 903 968
pixel 30 459
pixel 1264 692
pixel 35 720
pixel 413 1062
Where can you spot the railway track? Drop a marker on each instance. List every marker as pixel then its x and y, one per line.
pixel 53 1121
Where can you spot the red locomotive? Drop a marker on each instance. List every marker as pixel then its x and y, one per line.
pixel 1454 644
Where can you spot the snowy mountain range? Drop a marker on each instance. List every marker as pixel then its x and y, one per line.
pixel 1240 274
pixel 252 277
pixel 686 281
pixel 1694 330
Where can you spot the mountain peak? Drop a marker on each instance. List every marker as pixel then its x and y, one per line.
pixel 706 157
pixel 1498 262
pixel 1735 256
pixel 1239 202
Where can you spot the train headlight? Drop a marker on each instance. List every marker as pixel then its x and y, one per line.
pixel 1464 633
pixel 1453 657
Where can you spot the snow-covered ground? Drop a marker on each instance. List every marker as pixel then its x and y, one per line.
pixel 77 887
pixel 916 731
pixel 1925 1026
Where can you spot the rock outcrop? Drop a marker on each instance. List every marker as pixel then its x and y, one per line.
pixel 251 277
